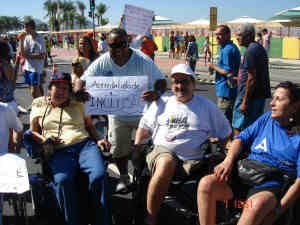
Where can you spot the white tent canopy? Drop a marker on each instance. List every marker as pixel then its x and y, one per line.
pixel 160 18
pixel 199 22
pixel 245 19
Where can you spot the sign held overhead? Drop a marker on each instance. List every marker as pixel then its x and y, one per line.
pixel 137 20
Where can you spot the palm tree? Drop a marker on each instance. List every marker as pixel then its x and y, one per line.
pixel 81 7
pixel 104 21
pixel 100 11
pixel 81 21
pixel 67 12
pixel 51 7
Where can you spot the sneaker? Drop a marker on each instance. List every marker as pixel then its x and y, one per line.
pixel 123 184
pixel 22 109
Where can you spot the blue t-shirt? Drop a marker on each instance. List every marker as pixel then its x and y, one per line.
pixel 256 58
pixel 229 61
pixel 270 144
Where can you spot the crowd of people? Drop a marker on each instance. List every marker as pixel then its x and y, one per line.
pixel 178 122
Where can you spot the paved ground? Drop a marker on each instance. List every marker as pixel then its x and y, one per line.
pixel 121 204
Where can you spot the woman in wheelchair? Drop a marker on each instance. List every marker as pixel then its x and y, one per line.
pixel 274 140
pixel 69 143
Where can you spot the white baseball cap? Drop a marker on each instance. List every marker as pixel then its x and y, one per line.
pixel 183 68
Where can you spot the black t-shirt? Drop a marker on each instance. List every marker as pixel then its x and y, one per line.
pixel 257 58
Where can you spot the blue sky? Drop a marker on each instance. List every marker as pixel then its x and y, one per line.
pixel 178 10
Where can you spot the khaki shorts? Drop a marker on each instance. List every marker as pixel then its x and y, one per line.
pixel 183 168
pixel 120 136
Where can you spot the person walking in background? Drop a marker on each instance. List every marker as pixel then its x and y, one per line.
pixel 178 40
pixel 34 51
pixel 206 50
pixel 266 40
pixel 259 38
pixel 102 44
pixel 48 51
pixel 253 81
pixel 172 45
pixel 148 46
pixel 226 70
pixel 192 53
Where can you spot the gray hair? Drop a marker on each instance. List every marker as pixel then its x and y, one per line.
pixel 248 28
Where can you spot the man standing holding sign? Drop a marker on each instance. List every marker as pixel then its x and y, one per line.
pixel 124 61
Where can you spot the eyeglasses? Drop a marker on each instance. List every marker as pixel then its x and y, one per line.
pixel 183 82
pixel 122 44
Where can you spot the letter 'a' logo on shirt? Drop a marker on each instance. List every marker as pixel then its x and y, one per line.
pixel 262 145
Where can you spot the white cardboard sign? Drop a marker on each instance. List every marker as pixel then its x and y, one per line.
pixel 118 95
pixel 13 174
pixel 138 20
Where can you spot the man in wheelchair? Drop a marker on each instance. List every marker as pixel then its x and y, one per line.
pixel 68 142
pixel 270 174
pixel 179 125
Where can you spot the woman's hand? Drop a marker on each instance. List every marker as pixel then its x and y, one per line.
pixel 223 170
pixel 54 140
pixel 104 145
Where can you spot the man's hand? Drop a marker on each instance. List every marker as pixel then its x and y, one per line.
pixel 149 96
pixel 211 66
pixel 138 158
pixel 243 107
pixel 81 95
pixel 104 145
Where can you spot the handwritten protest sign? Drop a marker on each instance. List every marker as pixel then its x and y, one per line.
pixel 13 174
pixel 137 20
pixel 116 95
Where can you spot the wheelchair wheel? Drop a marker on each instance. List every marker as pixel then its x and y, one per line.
pixel 18 203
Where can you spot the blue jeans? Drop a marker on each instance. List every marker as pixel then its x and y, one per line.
pixel 64 167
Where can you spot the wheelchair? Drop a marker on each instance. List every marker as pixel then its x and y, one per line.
pixel 46 209
pixel 180 200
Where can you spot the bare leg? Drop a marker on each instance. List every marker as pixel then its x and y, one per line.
pixel 258 206
pixel 211 190
pixel 158 186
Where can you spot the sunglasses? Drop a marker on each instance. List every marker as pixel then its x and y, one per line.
pixel 122 44
pixel 77 64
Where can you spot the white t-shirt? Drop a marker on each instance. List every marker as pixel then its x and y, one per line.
pixel 8 120
pixel 36 45
pixel 266 41
pixel 183 127
pixel 138 65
